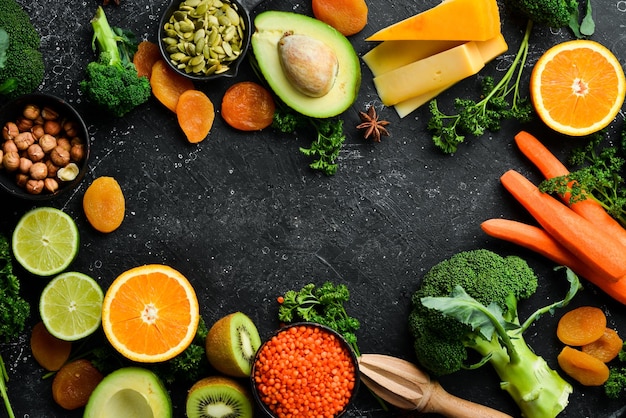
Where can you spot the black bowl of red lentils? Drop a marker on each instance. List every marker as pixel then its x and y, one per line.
pixel 45 147
pixel 305 369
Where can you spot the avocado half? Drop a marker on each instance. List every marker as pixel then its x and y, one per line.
pixel 270 27
pixel 129 392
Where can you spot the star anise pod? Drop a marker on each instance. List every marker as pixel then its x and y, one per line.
pixel 373 127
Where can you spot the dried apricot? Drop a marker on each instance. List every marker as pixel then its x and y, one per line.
pixel 605 348
pixel 347 16
pixel 147 54
pixel 582 367
pixel 74 383
pixel 104 204
pixel 195 113
pixel 248 106
pixel 582 325
pixel 167 85
pixel 49 352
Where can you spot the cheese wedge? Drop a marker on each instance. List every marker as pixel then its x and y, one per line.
pixel 489 50
pixel 456 20
pixel 389 55
pixel 432 73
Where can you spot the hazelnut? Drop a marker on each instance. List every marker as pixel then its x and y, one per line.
pixel 25 165
pixel 9 146
pixel 52 127
pixel 47 143
pixel 34 186
pixel 60 156
pixel 77 152
pixel 23 124
pixel 11 161
pixel 49 114
pixel 68 173
pixel 52 169
pixel 37 131
pixel 51 185
pixel 35 153
pixel 70 128
pixel 10 131
pixel 64 143
pixel 21 179
pixel 24 140
pixel 38 171
pixel 31 111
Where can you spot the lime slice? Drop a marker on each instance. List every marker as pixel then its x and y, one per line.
pixel 45 241
pixel 71 306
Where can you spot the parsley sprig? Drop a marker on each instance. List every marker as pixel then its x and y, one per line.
pixel 323 305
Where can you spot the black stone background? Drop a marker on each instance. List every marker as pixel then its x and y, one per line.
pixel 245 219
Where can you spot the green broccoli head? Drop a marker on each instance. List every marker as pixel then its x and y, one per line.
pixel 116 89
pixel 441 342
pixel 23 69
pixel 552 13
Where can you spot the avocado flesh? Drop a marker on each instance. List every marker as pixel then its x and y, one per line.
pixel 270 27
pixel 130 391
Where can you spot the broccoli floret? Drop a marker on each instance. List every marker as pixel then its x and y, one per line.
pixel 464 315
pixel 615 385
pixel 111 81
pixel 551 13
pixel 22 68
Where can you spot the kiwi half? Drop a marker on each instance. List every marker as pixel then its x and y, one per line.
pixel 232 343
pixel 218 397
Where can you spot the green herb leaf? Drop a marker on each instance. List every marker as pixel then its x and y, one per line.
pixel 4 46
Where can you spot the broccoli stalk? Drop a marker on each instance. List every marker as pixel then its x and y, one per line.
pixel 111 82
pixel 469 303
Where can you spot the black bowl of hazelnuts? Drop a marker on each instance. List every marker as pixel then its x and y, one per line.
pixel 45 147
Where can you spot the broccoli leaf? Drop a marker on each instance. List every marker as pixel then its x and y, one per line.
pixel 4 46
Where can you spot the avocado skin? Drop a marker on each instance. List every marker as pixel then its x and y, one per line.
pixel 270 26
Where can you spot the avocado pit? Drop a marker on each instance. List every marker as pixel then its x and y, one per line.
pixel 309 64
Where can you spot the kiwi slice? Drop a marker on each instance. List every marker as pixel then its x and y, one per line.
pixel 232 343
pixel 218 397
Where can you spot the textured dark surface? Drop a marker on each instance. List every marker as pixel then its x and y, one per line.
pixel 243 217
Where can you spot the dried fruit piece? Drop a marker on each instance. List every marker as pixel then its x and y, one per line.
pixel 167 85
pixel 147 54
pixel 605 348
pixel 248 106
pixel 195 113
pixel 347 16
pixel 104 204
pixel 582 325
pixel 74 383
pixel 583 367
pixel 49 352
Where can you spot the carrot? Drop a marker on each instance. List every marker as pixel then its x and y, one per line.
pixel 551 167
pixel 580 326
pixel 585 240
pixel 605 348
pixel 538 240
pixel 583 367
pixel 286 364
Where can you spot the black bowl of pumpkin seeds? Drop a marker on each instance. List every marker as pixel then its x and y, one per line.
pixel 205 39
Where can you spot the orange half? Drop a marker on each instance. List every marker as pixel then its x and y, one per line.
pixel 577 87
pixel 150 313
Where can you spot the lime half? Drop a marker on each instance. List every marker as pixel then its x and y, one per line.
pixel 71 306
pixel 45 241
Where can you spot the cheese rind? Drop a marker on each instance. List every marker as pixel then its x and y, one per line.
pixel 428 74
pixel 489 50
pixel 456 20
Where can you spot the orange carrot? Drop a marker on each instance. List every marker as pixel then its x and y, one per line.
pixel 538 240
pixel 551 167
pixel 588 242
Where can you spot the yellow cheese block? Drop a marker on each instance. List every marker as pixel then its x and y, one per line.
pixel 432 73
pixel 489 50
pixel 389 55
pixel 455 20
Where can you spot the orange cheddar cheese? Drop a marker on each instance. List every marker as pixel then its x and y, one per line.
pixel 454 20
pixel 432 73
pixel 489 50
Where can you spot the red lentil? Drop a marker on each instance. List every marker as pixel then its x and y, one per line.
pixel 304 371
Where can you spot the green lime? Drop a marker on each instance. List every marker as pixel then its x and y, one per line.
pixel 45 241
pixel 71 306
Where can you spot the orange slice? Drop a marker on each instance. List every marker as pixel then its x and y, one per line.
pixel 577 87
pixel 150 313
